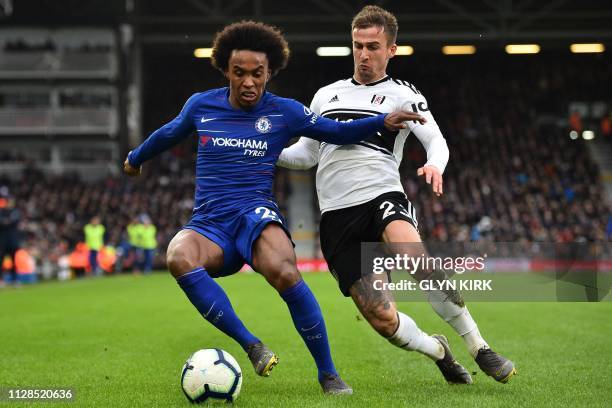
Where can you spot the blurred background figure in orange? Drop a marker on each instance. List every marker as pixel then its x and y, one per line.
pixel 78 260
pixel 575 121
pixel 25 266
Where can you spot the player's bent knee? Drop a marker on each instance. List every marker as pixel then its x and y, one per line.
pixel 286 280
pixel 284 277
pixel 383 319
pixel 179 262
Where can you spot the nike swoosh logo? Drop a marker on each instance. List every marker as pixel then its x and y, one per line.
pixel 207 313
pixel 207 120
pixel 305 330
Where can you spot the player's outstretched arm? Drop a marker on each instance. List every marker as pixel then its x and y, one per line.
pixel 304 122
pixel 339 133
pixel 301 155
pixel 162 139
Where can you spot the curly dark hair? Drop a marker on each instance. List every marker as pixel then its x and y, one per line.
pixel 253 36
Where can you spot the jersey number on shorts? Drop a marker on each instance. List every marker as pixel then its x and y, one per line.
pixel 388 206
pixel 267 213
pixel 388 210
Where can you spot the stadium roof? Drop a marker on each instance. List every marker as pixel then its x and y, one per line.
pixel 326 21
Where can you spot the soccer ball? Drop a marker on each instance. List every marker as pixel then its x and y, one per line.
pixel 211 373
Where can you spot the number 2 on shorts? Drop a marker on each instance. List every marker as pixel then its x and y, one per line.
pixel 267 213
pixel 388 210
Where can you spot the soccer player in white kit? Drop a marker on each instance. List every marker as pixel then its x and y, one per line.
pixel 362 200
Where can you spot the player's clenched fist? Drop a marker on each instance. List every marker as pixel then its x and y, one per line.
pixel 395 120
pixel 129 170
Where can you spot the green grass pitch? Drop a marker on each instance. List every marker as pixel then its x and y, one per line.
pixel 121 342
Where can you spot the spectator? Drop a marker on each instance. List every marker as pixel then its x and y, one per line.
pixel 10 236
pixel 79 260
pixel 25 266
pixel 148 243
pixel 575 121
pixel 94 238
pixel 606 126
pixel 134 230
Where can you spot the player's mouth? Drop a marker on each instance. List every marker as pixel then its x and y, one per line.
pixel 248 96
pixel 364 67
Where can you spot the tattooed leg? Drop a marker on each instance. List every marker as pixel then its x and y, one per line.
pixel 377 306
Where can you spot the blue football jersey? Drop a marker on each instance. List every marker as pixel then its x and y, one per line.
pixel 238 149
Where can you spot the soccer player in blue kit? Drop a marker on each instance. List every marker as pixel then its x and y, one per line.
pixel 241 131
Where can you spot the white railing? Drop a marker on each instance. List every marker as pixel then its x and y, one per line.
pixel 57 64
pixel 58 121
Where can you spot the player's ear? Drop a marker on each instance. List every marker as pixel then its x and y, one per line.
pixel 268 75
pixel 392 50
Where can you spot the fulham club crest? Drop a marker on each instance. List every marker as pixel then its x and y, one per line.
pixel 377 100
pixel 263 125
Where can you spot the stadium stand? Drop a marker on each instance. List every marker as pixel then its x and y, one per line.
pixel 514 174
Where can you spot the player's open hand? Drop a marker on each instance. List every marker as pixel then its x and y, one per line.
pixel 396 120
pixel 129 170
pixel 433 177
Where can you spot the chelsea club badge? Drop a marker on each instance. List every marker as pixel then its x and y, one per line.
pixel 263 125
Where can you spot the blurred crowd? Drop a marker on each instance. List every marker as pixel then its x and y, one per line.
pixel 541 187
pixel 55 210
pixel 514 174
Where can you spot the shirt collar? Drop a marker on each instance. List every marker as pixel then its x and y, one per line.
pixel 383 79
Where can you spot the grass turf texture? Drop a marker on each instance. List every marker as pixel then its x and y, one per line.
pixel 122 341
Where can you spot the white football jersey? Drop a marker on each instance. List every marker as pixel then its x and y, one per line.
pixel 353 174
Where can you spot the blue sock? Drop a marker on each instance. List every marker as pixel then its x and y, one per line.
pixel 308 321
pixel 214 305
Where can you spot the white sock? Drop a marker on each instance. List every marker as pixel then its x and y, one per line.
pixel 408 336
pixel 474 341
pixel 460 319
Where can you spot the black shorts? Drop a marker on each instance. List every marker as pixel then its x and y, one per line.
pixel 343 231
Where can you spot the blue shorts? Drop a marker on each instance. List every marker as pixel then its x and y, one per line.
pixel 235 232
